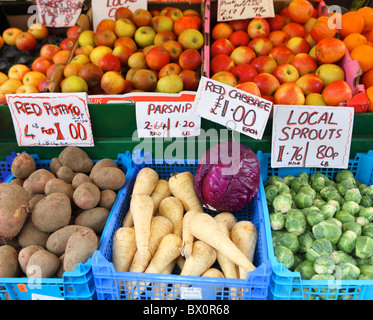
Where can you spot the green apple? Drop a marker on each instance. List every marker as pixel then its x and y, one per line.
pixel 87 37
pixel 191 39
pixel 170 84
pixel 74 84
pixel 124 28
pixel 330 72
pixel 144 36
pixel 315 99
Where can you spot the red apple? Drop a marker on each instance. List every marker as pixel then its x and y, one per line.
pixel 157 57
pixel 174 49
pixel 294 29
pixel 26 41
pixel 196 18
pixel 258 27
pixel 304 63
pixel 92 75
pixel 221 30
pixel 191 39
pixel 126 41
pixel 336 93
pixel 10 35
pixel 113 82
pixel 18 71
pixel 169 68
pixel 281 54
pixel 122 53
pixel 41 64
pixel 49 50
pixel 67 44
pixel 163 36
pixel 298 45
pixel 185 23
pixel 289 93
pixel 310 40
pixel 310 83
pixel 61 57
pixel 330 50
pixel 242 54
pixel 144 80
pixel 190 59
pixel 45 84
pixel 249 87
pixel 72 69
pixel 106 24
pixel 239 38
pixel 123 13
pixel 221 46
pixel 286 73
pixel 225 77
pixel 160 23
pixel 278 37
pixel 174 13
pixel 73 32
pixel 109 62
pixel 276 23
pixel 284 13
pixel 322 30
pixel 38 30
pixel 142 17
pixel 300 11
pixel 267 83
pixel 244 72
pixel 241 24
pixel 86 50
pixel 221 62
pixel 264 64
pixel 262 46
pixel 190 79
pixel 105 37
pixel 52 69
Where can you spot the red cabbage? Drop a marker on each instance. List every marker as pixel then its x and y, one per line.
pixel 227 177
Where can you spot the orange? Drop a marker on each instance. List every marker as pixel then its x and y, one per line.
pixel 364 55
pixel 367 79
pixel 353 40
pixel 369 92
pixel 351 22
pixel 369 35
pixel 367 14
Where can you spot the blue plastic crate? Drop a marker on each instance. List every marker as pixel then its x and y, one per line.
pixel 77 284
pixel 288 285
pixel 5 166
pixel 113 285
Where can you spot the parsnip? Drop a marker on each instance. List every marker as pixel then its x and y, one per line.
pixel 187 236
pixel 173 209
pixel 160 192
pixel 124 248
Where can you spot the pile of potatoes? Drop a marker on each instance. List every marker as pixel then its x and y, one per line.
pixel 51 220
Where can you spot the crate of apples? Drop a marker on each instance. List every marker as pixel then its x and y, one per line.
pixel 293 58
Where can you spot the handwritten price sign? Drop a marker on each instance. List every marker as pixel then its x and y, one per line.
pixel 59 13
pixel 166 120
pixel 231 107
pixel 53 120
pixel 308 136
pixel 244 9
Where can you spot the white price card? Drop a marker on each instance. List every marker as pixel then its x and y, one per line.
pixel 59 13
pixel 190 293
pixel 105 9
pixel 231 107
pixel 167 119
pixel 51 119
pixel 244 9
pixel 311 136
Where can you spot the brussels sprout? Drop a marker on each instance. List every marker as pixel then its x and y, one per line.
pixel 314 218
pixel 303 200
pixel 326 192
pixel 306 270
pixel 353 195
pixel 342 175
pixel 304 175
pixel 308 190
pixel 324 265
pixel 318 202
pixel 320 247
pixel 305 241
pixel 290 241
pixel 368 230
pixel 367 213
pixel 345 185
pixel 284 255
pixel 288 179
pixel 335 204
pixel 339 256
pixel 328 230
pixel 347 241
pixel 271 192
pixel 363 188
pixel 366 270
pixel 276 236
pixel 328 210
pixel 346 271
pixel 351 207
pixel 353 226
pixel 318 175
pixel 298 258
pixel 344 216
pixel 272 180
pixel 336 221
pixel 364 247
pixel 360 261
pixel 295 222
pixel 298 182
pixel 330 183
pixel 323 277
pixel 366 201
pixel 282 203
pixel 369 191
pixel 277 220
pixel 362 221
pixel 307 211
pixel 282 186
